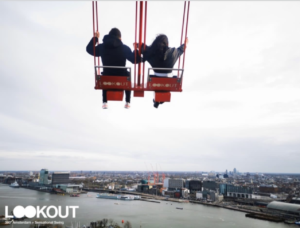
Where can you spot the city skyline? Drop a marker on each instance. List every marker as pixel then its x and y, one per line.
pixel 239 106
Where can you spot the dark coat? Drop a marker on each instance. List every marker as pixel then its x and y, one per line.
pixel 113 53
pixel 168 61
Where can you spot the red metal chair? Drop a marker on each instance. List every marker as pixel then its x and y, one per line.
pixel 115 85
pixel 163 86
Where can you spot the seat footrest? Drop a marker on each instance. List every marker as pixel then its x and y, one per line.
pixel 162 96
pixel 138 93
pixel 115 95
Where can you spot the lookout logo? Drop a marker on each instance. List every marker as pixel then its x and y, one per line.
pixel 45 212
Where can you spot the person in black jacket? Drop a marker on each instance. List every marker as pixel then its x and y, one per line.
pixel 160 55
pixel 113 53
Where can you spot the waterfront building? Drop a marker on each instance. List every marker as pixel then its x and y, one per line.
pixel 209 195
pixel 44 176
pixel 176 184
pixel 210 185
pixel 195 186
pixel 199 195
pixel 169 193
pixel 69 188
pixel 2 178
pixel 219 197
pixel 155 190
pixel 60 178
pixel 166 182
pixel 238 191
pixel 223 189
pixel 185 192
pixel 143 188
pixel 187 183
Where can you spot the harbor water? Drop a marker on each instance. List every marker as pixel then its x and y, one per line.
pixel 139 213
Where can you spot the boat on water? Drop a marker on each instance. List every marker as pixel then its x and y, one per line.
pixel 179 208
pixel 297 223
pixel 108 196
pixel 136 197
pixel 15 185
pixel 112 196
pixel 127 197
pixel 74 195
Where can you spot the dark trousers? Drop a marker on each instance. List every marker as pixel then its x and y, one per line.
pixel 127 96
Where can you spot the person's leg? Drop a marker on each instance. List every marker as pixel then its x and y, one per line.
pixel 127 95
pixel 104 96
pixel 155 104
pixel 104 99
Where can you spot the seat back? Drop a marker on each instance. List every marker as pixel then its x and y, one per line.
pixel 173 84
pixel 111 82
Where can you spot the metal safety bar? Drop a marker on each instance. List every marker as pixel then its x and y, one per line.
pixel 115 67
pixel 179 79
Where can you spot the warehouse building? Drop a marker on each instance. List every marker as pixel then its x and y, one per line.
pixel 289 208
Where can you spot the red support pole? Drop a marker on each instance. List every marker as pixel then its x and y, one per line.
pixel 94 44
pixel 136 12
pixel 94 34
pixel 145 28
pixel 97 30
pixel 140 41
pixel 181 34
pixel 186 29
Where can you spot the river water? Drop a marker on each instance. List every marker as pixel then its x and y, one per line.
pixel 139 213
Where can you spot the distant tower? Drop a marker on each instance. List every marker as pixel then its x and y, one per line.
pixel 43 176
pixel 226 172
pixel 234 170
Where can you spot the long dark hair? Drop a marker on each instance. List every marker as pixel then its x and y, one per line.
pixel 159 46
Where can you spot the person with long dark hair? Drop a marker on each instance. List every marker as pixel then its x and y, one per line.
pixel 160 55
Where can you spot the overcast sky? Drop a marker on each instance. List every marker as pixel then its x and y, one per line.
pixel 240 105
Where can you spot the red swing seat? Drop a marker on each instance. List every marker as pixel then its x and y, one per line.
pixel 115 85
pixel 163 86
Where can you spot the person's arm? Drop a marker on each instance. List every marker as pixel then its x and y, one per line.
pixel 144 49
pixel 90 47
pixel 130 56
pixel 181 49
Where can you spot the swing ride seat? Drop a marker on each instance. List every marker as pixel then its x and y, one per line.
pixel 163 86
pixel 115 85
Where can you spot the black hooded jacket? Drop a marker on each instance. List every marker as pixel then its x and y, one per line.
pixel 113 53
pixel 168 61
